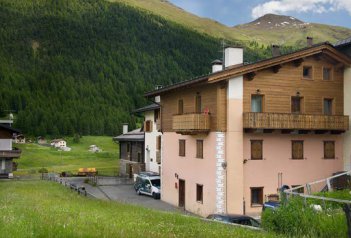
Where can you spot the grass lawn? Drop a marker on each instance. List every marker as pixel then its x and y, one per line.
pixel 47 209
pixel 36 156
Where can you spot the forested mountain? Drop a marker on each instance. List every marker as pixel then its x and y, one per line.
pixel 81 66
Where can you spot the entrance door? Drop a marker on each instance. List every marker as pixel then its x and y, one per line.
pixel 181 193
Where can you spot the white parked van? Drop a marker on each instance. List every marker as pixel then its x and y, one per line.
pixel 148 183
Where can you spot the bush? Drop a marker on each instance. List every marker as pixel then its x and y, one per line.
pixel 300 220
pixel 43 170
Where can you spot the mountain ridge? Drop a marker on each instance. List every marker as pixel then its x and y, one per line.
pixel 243 33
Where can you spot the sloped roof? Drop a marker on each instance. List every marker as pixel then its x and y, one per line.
pixel 343 42
pixel 8 128
pixel 147 108
pixel 237 70
pixel 135 135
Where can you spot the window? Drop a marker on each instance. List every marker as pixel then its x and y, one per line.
pixel 199 193
pixel 157 115
pixel 297 149
pixel 256 103
pixel 182 148
pixel 328 106
pixel 198 105
pixel 180 107
pixel 329 149
pixel 256 196
pixel 199 149
pixel 296 104
pixel 148 126
pixel 327 73
pixel 158 143
pixel 307 72
pixel 256 149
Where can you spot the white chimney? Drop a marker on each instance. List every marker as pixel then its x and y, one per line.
pixel 158 99
pixel 233 56
pixel 125 128
pixel 217 65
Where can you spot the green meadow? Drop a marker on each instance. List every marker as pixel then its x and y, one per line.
pixel 35 156
pixel 47 209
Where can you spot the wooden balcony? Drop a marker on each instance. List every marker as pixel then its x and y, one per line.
pixel 15 153
pixel 254 120
pixel 191 124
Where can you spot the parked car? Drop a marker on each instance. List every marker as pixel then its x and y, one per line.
pixel 149 184
pixel 273 205
pixel 237 219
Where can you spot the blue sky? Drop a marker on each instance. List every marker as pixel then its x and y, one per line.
pixel 234 12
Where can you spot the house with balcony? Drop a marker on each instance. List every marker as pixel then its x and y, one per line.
pixel 131 151
pixel 153 135
pixel 233 137
pixel 7 152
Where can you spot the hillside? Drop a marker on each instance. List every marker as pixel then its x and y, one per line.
pixel 247 32
pixel 82 66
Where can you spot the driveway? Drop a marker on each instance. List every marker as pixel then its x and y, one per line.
pixel 121 190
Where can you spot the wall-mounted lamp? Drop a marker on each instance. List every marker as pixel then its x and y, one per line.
pixel 147 148
pixel 298 93
pixel 176 176
pixel 258 91
pixel 224 165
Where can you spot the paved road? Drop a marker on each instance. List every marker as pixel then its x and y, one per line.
pixel 122 192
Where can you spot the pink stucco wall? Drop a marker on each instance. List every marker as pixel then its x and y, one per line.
pixel 191 169
pixel 277 158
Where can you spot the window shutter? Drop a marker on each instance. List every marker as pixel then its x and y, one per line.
pixel 297 149
pixel 158 143
pixel 181 147
pixel 329 149
pixel 199 149
pixel 256 150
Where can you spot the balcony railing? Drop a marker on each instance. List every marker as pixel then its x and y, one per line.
pixel 14 153
pixel 195 123
pixel 295 121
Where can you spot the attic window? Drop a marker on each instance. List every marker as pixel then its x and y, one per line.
pixel 307 72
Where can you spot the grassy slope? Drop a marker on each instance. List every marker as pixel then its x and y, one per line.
pixel 35 156
pixel 46 209
pixel 320 32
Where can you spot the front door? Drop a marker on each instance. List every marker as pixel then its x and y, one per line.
pixel 181 193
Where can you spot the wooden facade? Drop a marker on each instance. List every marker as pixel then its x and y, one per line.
pixel 279 88
pixel 195 117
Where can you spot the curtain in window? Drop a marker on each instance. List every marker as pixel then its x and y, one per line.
pixel 256 103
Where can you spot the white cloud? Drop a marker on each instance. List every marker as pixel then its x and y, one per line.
pixel 300 6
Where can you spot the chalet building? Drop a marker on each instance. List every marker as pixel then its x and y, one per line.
pixel 344 46
pixel 58 143
pixel 19 139
pixel 131 151
pixel 7 152
pixel 152 149
pixel 232 138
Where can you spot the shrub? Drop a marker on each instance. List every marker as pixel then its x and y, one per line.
pixel 43 170
pixel 300 220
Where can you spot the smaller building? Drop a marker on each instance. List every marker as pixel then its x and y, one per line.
pixel 153 135
pixel 41 140
pixel 131 151
pixel 58 143
pixel 7 152
pixel 19 139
